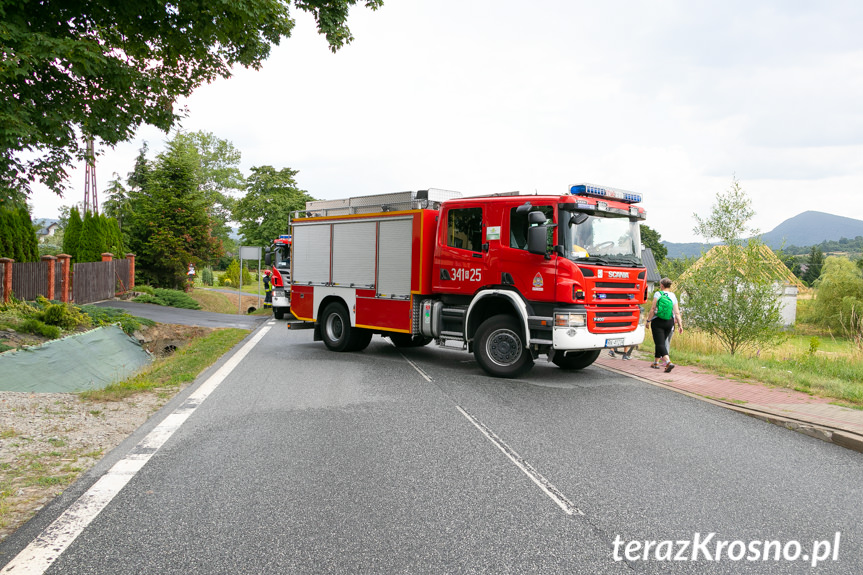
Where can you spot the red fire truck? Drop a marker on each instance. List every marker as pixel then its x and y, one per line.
pixel 508 277
pixel 278 255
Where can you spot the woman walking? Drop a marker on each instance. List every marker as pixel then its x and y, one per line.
pixel 664 315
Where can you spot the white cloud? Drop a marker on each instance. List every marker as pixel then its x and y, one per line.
pixel 670 98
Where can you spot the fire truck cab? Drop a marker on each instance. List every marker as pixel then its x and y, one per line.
pixel 278 255
pixel 509 277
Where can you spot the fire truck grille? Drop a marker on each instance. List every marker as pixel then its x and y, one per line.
pixel 613 321
pixel 615 285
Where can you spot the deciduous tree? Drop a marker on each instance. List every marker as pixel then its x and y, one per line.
pixel 270 198
pixel 102 68
pixel 732 294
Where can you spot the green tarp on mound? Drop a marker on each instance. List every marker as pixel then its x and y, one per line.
pixel 89 360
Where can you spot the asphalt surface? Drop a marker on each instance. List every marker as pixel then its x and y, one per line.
pixel 308 461
pixel 163 314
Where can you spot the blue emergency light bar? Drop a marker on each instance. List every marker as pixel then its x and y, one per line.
pixel 605 192
pixel 285 237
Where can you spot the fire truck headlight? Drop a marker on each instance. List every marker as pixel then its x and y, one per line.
pixel 570 319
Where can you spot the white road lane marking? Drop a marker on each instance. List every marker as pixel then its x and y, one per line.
pixel 534 475
pixel 41 553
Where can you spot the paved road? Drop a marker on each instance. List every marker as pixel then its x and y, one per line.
pixel 306 461
pixel 163 314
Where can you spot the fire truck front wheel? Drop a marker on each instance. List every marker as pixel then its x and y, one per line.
pixel 337 333
pixel 499 347
pixel 578 360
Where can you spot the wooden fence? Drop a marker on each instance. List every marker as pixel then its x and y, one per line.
pixel 55 279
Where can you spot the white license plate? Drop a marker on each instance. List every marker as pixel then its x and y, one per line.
pixel 614 342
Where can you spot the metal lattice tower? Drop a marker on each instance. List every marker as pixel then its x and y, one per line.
pixel 90 179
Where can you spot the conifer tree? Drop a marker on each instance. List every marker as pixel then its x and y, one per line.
pixel 72 234
pixel 90 242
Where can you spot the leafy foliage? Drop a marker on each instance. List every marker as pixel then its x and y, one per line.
pixel 732 294
pixel 270 198
pixel 207 276
pixel 17 234
pixel 650 238
pixel 170 226
pixel 103 68
pixel 232 274
pixel 839 301
pixel 813 266
pixel 72 233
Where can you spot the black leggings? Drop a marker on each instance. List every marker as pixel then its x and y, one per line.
pixel 661 330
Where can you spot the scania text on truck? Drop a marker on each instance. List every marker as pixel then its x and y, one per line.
pixel 509 277
pixel 278 255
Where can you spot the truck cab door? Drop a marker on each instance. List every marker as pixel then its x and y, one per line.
pixel 461 251
pixel 533 275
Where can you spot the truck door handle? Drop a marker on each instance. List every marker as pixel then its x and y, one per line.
pixel 444 274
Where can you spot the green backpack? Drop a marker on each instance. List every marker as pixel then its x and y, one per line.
pixel 664 306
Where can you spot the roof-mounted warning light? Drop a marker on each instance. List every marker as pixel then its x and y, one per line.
pixel 605 192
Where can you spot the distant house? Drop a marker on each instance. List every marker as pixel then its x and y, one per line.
pixel 653 275
pixel 48 227
pixel 786 283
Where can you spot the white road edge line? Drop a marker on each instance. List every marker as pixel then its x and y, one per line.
pixel 41 553
pixel 534 475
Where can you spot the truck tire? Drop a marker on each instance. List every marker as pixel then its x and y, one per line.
pixel 408 340
pixel 336 327
pixel 578 360
pixel 359 339
pixel 499 347
pixel 278 312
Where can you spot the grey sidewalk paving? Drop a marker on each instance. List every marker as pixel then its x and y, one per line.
pixel 815 416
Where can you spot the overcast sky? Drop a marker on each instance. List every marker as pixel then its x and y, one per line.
pixel 671 98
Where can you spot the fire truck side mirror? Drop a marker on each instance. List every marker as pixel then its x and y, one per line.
pixel 268 258
pixel 537 240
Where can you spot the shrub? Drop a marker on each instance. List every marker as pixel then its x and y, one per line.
pixel 207 276
pixel 33 325
pixel 63 315
pixel 169 297
pixel 111 315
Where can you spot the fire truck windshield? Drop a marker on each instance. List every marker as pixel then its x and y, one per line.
pixel 602 239
pixel 282 257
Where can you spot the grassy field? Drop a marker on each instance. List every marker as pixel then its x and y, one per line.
pixel 818 364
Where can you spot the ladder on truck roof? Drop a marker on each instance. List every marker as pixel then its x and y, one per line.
pixel 418 200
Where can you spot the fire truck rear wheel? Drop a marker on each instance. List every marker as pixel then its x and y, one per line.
pixel 360 339
pixel 336 327
pixel 575 360
pixel 499 347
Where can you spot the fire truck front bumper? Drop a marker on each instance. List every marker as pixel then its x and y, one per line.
pixel 566 338
pixel 281 298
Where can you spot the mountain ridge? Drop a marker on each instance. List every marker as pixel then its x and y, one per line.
pixel 808 228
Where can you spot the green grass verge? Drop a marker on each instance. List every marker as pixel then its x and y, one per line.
pixel 183 366
pixel 835 372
